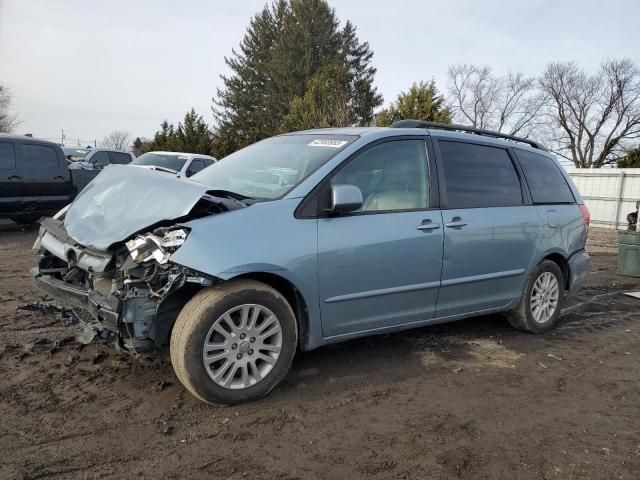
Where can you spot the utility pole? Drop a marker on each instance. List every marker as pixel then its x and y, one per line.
pixel 62 137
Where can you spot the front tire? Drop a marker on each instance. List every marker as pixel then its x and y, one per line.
pixel 234 342
pixel 541 303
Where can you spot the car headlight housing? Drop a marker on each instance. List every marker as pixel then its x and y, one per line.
pixel 156 247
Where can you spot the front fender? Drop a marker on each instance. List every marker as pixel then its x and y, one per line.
pixel 262 238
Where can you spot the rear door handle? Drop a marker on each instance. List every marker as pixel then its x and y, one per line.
pixel 58 177
pixel 428 225
pixel 456 222
pixel 15 177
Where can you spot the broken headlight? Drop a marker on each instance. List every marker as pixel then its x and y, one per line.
pixel 156 247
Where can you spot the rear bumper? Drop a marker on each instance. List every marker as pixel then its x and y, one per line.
pixel 578 270
pixel 99 307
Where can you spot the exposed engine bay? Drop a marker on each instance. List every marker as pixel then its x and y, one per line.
pixel 132 293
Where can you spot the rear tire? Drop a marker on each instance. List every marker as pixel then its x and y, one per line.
pixel 234 342
pixel 542 299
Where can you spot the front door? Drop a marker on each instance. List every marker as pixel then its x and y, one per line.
pixel 490 230
pixel 380 266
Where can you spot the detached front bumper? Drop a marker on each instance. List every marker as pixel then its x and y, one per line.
pixel 103 310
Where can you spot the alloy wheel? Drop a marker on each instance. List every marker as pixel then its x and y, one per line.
pixel 544 297
pixel 242 346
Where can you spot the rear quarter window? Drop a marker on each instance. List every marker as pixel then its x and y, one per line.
pixel 545 180
pixel 120 158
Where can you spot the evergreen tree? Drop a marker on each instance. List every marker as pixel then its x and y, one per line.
pixel 363 94
pixel 193 135
pixel 325 102
pixel 421 102
pixel 285 46
pixel 631 159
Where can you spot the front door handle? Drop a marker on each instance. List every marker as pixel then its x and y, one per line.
pixel 456 222
pixel 428 225
pixel 15 177
pixel 58 177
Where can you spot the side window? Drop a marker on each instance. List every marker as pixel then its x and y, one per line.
pixel 546 182
pixel 7 155
pixel 196 165
pixel 38 156
pixel 120 158
pixel 391 176
pixel 100 159
pixel 479 176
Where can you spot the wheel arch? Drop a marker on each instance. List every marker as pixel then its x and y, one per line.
pixel 292 295
pixel 563 263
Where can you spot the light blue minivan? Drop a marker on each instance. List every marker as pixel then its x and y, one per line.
pixel 316 237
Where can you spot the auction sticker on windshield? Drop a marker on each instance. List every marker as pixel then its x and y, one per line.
pixel 328 143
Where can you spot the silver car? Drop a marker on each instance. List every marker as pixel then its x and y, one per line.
pixel 182 164
pixel 96 158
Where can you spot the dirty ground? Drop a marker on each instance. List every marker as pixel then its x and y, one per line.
pixel 473 399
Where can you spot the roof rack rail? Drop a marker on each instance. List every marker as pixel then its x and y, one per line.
pixel 462 128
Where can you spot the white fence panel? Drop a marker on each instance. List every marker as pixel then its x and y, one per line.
pixel 609 193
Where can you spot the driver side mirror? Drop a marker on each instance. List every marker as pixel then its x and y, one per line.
pixel 345 199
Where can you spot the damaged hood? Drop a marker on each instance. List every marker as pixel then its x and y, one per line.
pixel 123 200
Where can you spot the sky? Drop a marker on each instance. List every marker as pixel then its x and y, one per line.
pixel 92 66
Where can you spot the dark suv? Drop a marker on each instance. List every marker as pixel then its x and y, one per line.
pixel 35 179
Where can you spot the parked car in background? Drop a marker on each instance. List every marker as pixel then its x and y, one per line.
pixel 98 158
pixel 350 232
pixel 35 178
pixel 183 164
pixel 75 154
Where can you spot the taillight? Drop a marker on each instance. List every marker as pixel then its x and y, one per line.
pixel 586 216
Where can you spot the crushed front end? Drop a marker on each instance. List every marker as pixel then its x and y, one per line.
pixel 131 293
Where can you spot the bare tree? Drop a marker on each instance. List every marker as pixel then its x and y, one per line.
pixel 7 121
pixel 595 117
pixel 508 104
pixel 118 139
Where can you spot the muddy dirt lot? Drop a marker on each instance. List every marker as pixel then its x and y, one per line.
pixel 472 400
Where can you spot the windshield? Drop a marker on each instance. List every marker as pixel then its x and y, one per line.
pixel 173 161
pixel 271 168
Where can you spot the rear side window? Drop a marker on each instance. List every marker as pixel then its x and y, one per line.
pixel 479 176
pixel 7 155
pixel 100 159
pixel 39 156
pixel 120 158
pixel 545 180
pixel 196 165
